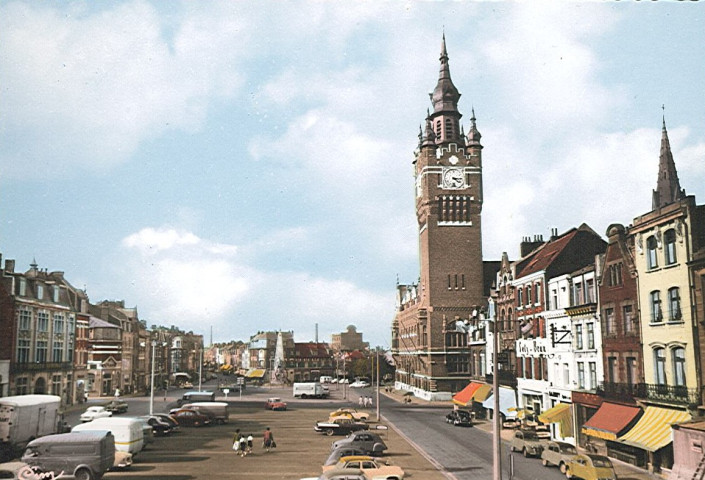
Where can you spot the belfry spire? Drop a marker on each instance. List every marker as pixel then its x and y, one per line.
pixel 668 187
pixel 445 117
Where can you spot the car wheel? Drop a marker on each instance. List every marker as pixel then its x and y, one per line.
pixel 567 473
pixel 83 474
pixel 562 467
pixel 544 462
pixel 329 432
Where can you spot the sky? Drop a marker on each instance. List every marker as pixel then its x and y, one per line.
pixel 247 166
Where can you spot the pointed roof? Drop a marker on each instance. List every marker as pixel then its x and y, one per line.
pixel 668 187
pixel 474 135
pixel 445 96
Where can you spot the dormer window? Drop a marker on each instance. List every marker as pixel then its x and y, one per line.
pixel 55 292
pixel 23 287
pixel 40 291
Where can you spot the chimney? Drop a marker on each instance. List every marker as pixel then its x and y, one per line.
pixel 9 266
pixel 554 233
pixel 527 245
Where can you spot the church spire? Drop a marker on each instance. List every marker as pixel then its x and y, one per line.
pixel 668 187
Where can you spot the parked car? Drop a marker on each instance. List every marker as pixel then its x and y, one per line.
pixel 168 419
pixel 359 384
pixel 122 460
pixel 94 412
pixel 187 385
pixel 372 467
pixel 191 418
pixel 349 412
pixel 341 474
pixel 117 406
pixel 370 442
pixel 347 451
pixel 275 403
pixel 340 426
pixel 527 442
pixel 558 454
pixel 590 467
pixel 461 418
pixel 159 426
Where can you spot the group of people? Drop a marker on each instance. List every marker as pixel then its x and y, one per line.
pixel 242 445
pixel 365 401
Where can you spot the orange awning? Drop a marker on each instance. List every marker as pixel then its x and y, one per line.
pixel 609 421
pixel 464 397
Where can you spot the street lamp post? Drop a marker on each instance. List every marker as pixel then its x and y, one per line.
pixel 200 370
pixel 497 423
pixel 151 390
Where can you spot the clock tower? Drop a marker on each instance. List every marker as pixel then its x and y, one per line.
pixel 430 330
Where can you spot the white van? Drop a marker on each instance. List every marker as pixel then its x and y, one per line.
pixel 326 379
pixel 128 432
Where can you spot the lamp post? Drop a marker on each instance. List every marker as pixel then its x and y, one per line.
pixel 496 424
pixel 151 390
pixel 200 370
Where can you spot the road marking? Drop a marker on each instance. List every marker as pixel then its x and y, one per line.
pixel 432 460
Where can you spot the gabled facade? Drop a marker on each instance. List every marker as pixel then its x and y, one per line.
pixel 665 239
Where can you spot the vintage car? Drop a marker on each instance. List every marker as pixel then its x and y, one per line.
pixel 346 451
pixel 122 460
pixel 117 406
pixel 527 442
pixel 191 418
pixel 159 425
pixel 94 412
pixel 373 467
pixel 275 403
pixel 459 418
pixel 359 384
pixel 370 442
pixel 590 467
pixel 348 412
pixel 557 454
pixel 341 474
pixel 169 420
pixel 340 426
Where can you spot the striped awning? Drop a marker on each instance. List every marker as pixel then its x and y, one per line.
pixel 507 402
pixel 464 397
pixel 653 430
pixel 482 393
pixel 610 420
pixel 255 373
pixel 560 414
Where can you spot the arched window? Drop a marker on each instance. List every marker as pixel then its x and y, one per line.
pixel 670 243
pixel 674 304
pixel 656 313
pixel 660 366
pixel 528 295
pixel 679 366
pixel 651 258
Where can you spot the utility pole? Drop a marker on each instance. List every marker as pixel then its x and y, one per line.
pixel 377 400
pixel 497 420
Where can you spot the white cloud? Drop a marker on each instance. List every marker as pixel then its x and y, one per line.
pixel 84 90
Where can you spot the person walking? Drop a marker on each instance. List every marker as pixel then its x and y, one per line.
pixel 243 446
pixel 369 401
pixel 361 401
pixel 236 442
pixel 250 441
pixel 268 441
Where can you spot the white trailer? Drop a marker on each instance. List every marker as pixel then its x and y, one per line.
pixel 310 390
pixel 26 417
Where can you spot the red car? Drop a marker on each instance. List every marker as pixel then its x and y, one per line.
pixel 190 418
pixel 275 403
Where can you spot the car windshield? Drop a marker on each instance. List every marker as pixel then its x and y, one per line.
pixel 570 449
pixel 601 462
pixel 530 436
pixel 463 414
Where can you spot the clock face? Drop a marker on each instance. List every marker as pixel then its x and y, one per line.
pixel 453 178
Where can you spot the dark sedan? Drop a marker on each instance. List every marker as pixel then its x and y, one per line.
pixel 191 418
pixel 459 418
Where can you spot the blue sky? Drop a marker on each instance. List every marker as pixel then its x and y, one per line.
pixel 247 165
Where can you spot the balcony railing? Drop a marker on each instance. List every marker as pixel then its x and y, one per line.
pixel 649 391
pixel 41 366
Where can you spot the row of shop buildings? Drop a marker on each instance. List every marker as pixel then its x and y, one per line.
pixel 601 339
pixel 274 356
pixel 53 340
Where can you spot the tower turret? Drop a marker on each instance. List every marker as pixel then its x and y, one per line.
pixel 668 187
pixel 445 117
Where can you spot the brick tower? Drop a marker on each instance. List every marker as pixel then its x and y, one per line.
pixel 429 333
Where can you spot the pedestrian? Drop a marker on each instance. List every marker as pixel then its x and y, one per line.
pixel 268 440
pixel 369 401
pixel 361 402
pixel 250 441
pixel 236 442
pixel 243 446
